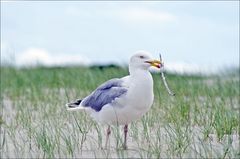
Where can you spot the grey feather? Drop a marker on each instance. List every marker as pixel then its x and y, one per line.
pixel 104 94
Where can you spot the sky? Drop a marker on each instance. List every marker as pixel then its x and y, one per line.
pixel 190 35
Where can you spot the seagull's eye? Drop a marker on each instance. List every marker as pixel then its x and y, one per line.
pixel 141 57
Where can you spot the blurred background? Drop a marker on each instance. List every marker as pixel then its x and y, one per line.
pixel 192 36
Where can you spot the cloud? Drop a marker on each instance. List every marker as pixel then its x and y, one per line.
pixel 38 56
pixel 190 68
pixel 146 15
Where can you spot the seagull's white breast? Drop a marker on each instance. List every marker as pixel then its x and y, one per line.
pixel 141 92
pixel 140 96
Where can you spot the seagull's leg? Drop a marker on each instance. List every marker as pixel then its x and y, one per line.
pixel 125 137
pixel 107 138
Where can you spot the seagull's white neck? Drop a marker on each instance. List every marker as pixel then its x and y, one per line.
pixel 141 83
pixel 140 74
pixel 137 71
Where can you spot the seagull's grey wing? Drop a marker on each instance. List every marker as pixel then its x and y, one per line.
pixel 104 94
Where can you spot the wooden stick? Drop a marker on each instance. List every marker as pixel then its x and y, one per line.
pixel 164 79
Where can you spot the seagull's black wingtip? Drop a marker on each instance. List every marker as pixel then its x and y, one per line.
pixel 74 104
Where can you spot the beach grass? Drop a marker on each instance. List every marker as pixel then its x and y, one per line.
pixel 201 121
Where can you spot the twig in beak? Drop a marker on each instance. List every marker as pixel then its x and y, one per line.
pixel 164 79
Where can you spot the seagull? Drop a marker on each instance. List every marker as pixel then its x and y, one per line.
pixel 121 101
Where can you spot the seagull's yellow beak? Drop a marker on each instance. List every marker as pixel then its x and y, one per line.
pixel 155 63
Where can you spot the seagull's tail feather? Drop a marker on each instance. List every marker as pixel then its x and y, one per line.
pixel 74 105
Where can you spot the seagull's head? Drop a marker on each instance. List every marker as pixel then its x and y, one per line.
pixel 143 60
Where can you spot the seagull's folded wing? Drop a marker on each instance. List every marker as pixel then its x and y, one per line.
pixel 105 94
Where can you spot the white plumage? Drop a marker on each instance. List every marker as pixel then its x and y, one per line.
pixel 121 101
